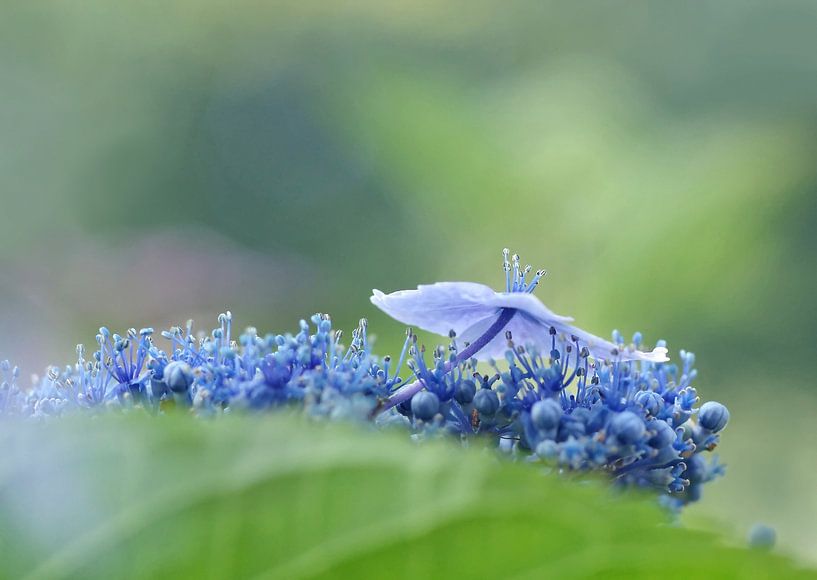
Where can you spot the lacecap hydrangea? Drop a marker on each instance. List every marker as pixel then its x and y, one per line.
pixel 513 374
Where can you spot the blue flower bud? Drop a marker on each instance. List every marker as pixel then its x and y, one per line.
pixel 275 373
pixel 581 415
pixel 694 492
pixel 158 388
pixel 664 435
pixel 570 427
pixel 178 376
pixel 424 405
pixel 762 537
pixel 696 469
pixel 464 392
pixel 404 408
pixel 552 378
pixel 547 449
pixel 486 402
pixel 627 427
pixel 713 416
pixel 546 414
pixel 651 402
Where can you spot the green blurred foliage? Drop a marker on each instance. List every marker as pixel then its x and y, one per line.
pixel 143 497
pixel 658 158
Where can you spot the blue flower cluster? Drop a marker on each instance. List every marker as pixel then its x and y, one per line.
pixel 211 374
pixel 636 421
pixel 561 396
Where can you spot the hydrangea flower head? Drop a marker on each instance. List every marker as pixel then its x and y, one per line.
pixel 552 393
pixel 470 310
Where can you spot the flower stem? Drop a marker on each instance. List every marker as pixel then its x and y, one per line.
pixel 406 392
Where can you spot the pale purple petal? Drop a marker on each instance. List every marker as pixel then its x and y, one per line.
pixel 604 349
pixel 526 303
pixel 534 333
pixel 525 331
pixel 439 307
pixel 533 329
pixel 469 309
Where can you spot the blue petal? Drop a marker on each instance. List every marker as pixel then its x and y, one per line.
pixel 531 327
pixel 526 331
pixel 469 309
pixel 606 350
pixel 439 307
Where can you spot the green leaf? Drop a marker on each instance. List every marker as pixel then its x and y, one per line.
pixel 276 497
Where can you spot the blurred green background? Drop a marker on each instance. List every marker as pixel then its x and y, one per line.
pixel 167 160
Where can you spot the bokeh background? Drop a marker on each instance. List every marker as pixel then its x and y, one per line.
pixel 167 160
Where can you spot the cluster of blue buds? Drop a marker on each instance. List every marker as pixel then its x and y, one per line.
pixel 211 373
pixel 514 374
pixel 638 422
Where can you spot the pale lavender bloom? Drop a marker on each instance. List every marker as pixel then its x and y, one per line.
pixel 469 309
